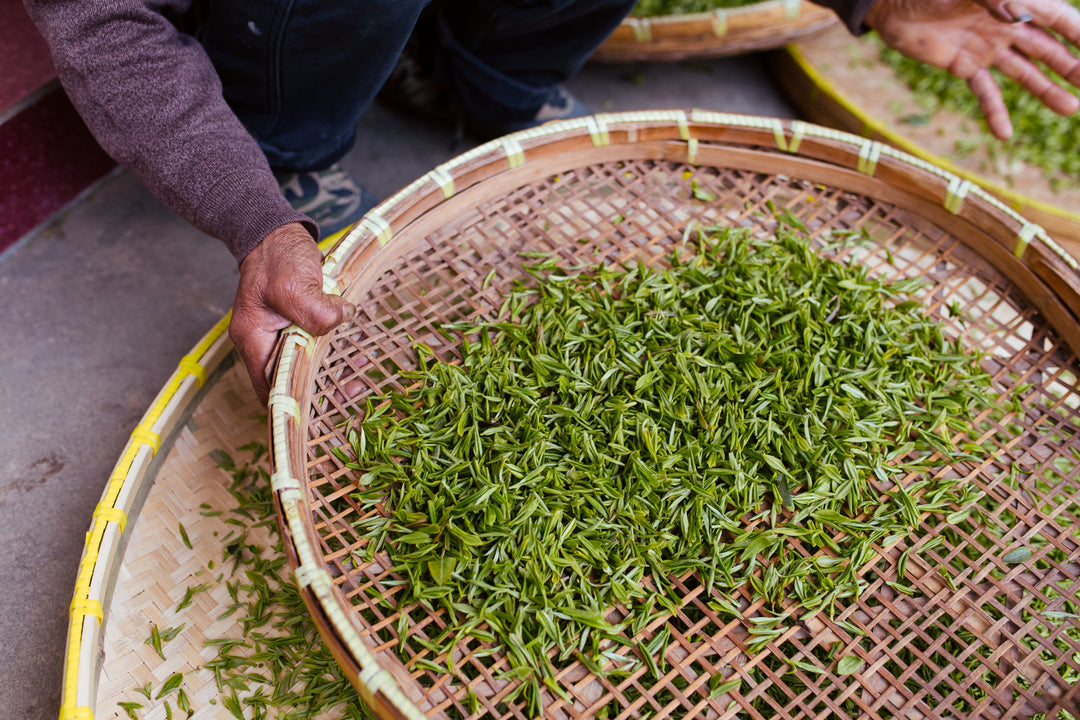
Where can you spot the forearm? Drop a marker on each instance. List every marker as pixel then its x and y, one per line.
pixel 153 100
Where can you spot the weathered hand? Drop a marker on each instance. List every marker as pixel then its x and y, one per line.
pixel 967 38
pixel 281 283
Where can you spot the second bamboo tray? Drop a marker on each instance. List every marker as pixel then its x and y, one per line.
pixel 836 80
pixel 981 636
pixel 721 33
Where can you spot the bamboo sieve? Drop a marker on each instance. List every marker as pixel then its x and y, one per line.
pixel 983 636
pixel 856 102
pixel 720 33
pixel 140 570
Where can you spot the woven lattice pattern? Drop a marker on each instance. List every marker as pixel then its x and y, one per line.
pixel 978 637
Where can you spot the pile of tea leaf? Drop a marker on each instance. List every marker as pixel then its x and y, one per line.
pixel 653 8
pixel 1040 137
pixel 753 413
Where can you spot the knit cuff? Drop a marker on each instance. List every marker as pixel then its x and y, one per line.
pixel 243 207
pixel 852 12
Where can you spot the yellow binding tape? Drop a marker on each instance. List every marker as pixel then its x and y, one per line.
pixel 111 514
pixel 691 150
pixel 869 154
pixel 143 435
pixel 778 134
pixel 515 154
pixel 642 28
pixel 719 23
pixel 792 8
pixel 190 365
pixel 378 227
pixel 81 604
pixel 1023 239
pixel 330 285
pixel 286 403
pixel 443 179
pixel 598 130
pixel 81 607
pixel 955 194
pixel 798 130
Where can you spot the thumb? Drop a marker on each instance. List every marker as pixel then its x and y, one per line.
pixel 303 301
pixel 291 281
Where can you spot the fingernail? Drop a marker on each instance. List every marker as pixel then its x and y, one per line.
pixel 1017 12
pixel 348 312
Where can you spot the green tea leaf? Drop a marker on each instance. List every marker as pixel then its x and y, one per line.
pixel 849 665
pixel 442 569
pixel 1016 556
pixel 171 683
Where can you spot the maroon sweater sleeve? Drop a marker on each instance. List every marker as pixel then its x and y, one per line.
pixel 852 12
pixel 152 99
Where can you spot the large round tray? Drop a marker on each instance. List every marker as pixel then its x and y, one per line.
pixel 721 33
pixel 836 80
pixel 136 568
pixel 621 188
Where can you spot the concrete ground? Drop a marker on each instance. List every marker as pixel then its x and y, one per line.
pixel 98 306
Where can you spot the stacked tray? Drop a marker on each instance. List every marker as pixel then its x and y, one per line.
pixel 720 33
pixel 837 80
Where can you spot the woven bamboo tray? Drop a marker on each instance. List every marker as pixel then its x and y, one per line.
pixel 617 188
pixel 113 524
pixel 721 33
pixel 836 80
pixel 141 581
pixel 135 568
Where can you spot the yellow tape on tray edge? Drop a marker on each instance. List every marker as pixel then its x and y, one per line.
pixel 88 563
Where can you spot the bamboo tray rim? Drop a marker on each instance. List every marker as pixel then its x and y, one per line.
pixel 873 125
pixel 510 152
pixel 120 503
pixel 720 32
pixel 792 8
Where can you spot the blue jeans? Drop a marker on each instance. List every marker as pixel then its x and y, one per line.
pixel 299 73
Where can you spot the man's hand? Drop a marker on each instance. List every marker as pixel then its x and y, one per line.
pixel 968 38
pixel 281 283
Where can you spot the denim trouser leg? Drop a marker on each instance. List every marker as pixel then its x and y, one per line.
pixel 506 56
pixel 299 73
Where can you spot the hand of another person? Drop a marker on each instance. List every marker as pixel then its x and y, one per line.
pixel 967 38
pixel 281 283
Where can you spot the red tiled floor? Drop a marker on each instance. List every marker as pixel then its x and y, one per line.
pixel 25 64
pixel 47 157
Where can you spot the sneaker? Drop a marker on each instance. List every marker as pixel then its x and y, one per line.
pixel 413 87
pixel 330 197
pixel 561 104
